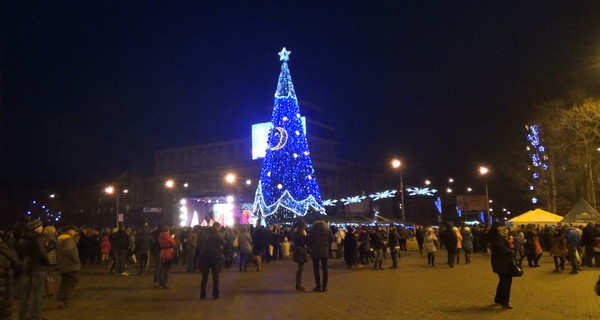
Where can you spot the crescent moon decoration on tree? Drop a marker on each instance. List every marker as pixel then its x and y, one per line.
pixel 283 138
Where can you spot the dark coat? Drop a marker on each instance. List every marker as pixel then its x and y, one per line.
pixel 449 238
pixel 67 256
pixel 8 263
pixel 350 245
pixel 320 239
pixel 35 258
pixel 502 254
pixel 394 238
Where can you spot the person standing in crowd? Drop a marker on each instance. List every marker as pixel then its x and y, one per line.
pixel 430 244
pixel 167 254
pixel 403 232
pixel 378 242
pixel 35 267
pixel 105 248
pixel 588 237
pixel 350 246
pixel 191 244
pixel 573 240
pixel 211 259
pixel 120 246
pixel 259 239
pixel 299 236
pixel 530 235
pixel 458 244
pixel 49 233
pixel 155 253
pixel 394 243
pixel 467 243
pixel 420 235
pixel 450 241
pixel 558 249
pixel 67 260
pixel 8 264
pixel 245 247
pixel 143 242
pixel 502 260
pixel 319 240
pixel 364 247
pixel 340 235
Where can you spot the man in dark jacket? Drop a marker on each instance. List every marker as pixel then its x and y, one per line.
pixel 35 268
pixel 319 242
pixel 588 239
pixel 450 241
pixel 67 261
pixel 119 242
pixel 8 263
pixel 212 252
pixel 394 243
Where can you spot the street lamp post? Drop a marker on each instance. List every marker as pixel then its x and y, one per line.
pixel 111 190
pixel 396 164
pixel 484 171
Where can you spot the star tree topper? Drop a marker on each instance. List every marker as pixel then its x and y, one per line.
pixel 284 55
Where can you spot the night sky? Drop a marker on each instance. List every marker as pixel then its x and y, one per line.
pixel 91 89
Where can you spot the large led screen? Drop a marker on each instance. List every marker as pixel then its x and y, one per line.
pixel 260 135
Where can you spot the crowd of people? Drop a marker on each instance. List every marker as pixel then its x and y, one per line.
pixel 31 254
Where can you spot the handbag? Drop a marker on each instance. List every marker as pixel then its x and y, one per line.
pixel 516 269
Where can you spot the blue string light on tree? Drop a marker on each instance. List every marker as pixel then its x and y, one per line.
pixel 288 186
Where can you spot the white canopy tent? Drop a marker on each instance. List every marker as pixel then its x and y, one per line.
pixel 537 216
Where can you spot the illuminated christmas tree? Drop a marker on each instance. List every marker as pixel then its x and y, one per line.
pixel 288 187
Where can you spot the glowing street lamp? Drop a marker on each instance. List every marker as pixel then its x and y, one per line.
pixel 111 190
pixel 484 171
pixel 396 164
pixel 230 178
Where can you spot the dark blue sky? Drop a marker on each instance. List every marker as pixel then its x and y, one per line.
pixel 90 89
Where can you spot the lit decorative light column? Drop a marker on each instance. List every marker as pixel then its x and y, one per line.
pixel 484 171
pixel 396 164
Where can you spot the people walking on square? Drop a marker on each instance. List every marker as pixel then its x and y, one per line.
pixel 430 244
pixel 558 249
pixel 67 260
pixel 502 260
pixel 167 255
pixel 210 260
pixel 450 241
pixel 319 240
pixel 394 244
pixel 35 267
pixel 245 247
pixel 467 243
pixel 573 239
pixel 299 238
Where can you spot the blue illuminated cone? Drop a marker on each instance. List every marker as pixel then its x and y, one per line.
pixel 288 187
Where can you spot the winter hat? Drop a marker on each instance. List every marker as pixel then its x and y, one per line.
pixel 34 224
